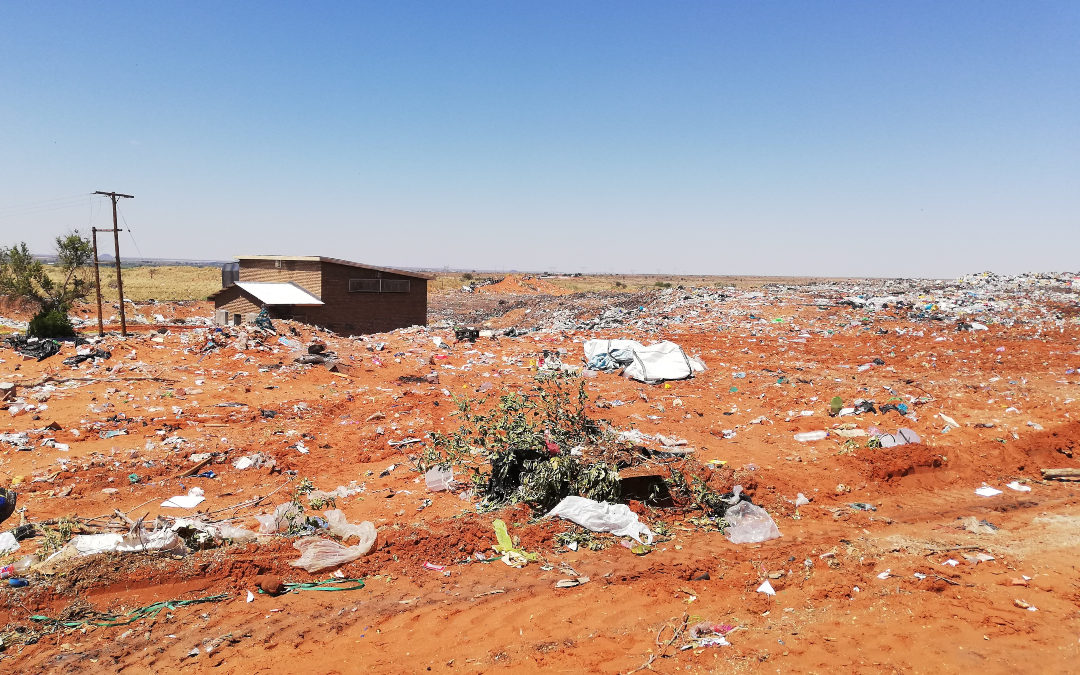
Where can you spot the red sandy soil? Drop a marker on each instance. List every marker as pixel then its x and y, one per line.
pixel 479 617
pixel 514 284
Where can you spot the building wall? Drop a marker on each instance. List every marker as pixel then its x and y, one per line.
pixel 233 301
pixel 364 312
pixel 305 273
pixel 345 312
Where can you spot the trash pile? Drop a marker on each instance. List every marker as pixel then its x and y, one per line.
pixel 855 447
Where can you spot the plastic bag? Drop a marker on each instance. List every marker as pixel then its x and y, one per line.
pixel 340 527
pixel 749 524
pixel 617 519
pixel 8 543
pixel 319 554
pixel 278 521
pixel 236 534
pixel 901 437
pixel 439 479
pixel 163 540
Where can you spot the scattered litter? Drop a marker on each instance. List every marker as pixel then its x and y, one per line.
pixel 749 524
pixel 617 519
pixel 570 583
pixel 766 588
pixel 987 491
pixel 193 498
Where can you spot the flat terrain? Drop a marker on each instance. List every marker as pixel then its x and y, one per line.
pixel 932 578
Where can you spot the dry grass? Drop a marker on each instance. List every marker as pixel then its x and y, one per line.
pixel 196 283
pixel 157 283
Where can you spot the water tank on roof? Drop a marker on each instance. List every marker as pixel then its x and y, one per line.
pixel 230 274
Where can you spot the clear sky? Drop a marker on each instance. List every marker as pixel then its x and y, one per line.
pixel 834 138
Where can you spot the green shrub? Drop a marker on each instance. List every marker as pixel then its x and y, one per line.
pixel 51 324
pixel 519 451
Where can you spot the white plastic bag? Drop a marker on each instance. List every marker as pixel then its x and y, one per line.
pixel 340 527
pixel 236 534
pixel 439 479
pixel 319 554
pixel 158 540
pixel 8 543
pixel 193 498
pixel 278 521
pixel 749 524
pixel 617 519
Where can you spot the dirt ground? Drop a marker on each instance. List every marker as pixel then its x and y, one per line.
pixel 934 579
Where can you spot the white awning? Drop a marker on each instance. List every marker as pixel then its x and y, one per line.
pixel 277 293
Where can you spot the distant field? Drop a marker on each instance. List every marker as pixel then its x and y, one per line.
pixel 625 282
pixel 157 283
pixel 195 283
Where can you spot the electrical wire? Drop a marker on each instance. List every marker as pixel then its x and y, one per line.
pixel 130 233
pixel 43 202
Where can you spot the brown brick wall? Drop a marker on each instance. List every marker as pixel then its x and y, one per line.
pixel 358 313
pixel 305 273
pixel 347 313
pixel 235 301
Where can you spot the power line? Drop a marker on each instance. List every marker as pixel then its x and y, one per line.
pixel 129 231
pixel 43 202
pixel 42 209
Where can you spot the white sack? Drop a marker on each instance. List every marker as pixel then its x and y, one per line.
pixel 617 519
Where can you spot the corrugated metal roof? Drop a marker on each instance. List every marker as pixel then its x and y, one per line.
pixel 278 293
pixel 338 261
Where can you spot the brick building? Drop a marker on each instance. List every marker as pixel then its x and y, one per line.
pixel 344 296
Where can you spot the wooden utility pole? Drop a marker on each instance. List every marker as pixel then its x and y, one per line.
pixel 116 242
pixel 97 284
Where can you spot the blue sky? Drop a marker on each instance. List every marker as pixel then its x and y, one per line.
pixel 829 138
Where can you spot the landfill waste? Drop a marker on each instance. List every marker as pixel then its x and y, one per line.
pixel 511 555
pixel 89 355
pixel 193 498
pixel 439 479
pixel 255 460
pixel 749 524
pixel 656 363
pixel 32 347
pixel 340 492
pixel 617 519
pixel 317 554
pixel 766 588
pixel 8 499
pixel 262 320
pixel 709 635
pixel 279 520
pixel 987 491
pixel 8 543
pixel 339 526
pixel 809 436
pixel 901 437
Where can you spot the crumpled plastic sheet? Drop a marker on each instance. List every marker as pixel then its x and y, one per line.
pixel 901 437
pixel 318 554
pixel 278 521
pixel 596 516
pixel 749 524
pixel 438 479
pixel 338 526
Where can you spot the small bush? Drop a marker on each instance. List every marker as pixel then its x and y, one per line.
pixel 51 324
pixel 519 451
pixel 662 284
pixel 467 276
